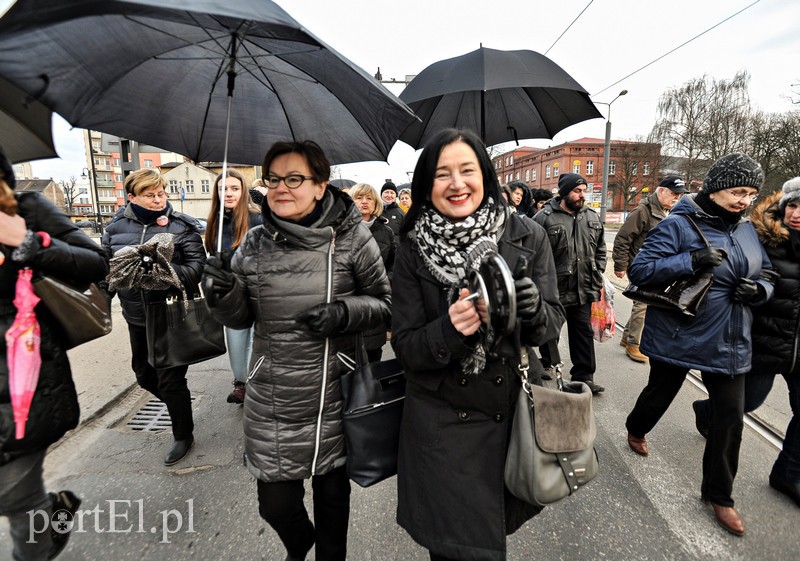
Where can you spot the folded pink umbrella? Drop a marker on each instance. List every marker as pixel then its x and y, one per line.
pixel 22 343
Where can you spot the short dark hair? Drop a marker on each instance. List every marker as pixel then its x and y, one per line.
pixel 310 150
pixel 425 170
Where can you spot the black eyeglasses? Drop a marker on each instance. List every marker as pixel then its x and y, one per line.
pixel 291 181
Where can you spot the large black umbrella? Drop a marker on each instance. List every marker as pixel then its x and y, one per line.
pixel 500 95
pixel 156 71
pixel 210 79
pixel 25 126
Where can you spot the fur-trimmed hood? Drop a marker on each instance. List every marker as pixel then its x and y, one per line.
pixel 767 219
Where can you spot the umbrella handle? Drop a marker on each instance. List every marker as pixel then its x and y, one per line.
pixel 208 291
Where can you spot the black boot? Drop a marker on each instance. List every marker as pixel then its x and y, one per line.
pixel 179 451
pixel 789 488
pixel 65 505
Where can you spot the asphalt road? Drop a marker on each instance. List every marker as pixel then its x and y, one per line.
pixel 205 507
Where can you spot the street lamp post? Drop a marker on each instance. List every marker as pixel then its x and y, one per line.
pixel 606 157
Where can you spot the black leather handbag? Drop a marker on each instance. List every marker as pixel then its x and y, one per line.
pixel 684 295
pixel 179 334
pixel 84 315
pixel 373 394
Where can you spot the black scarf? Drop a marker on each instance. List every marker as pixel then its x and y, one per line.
pixel 704 201
pixel 450 249
pixel 146 216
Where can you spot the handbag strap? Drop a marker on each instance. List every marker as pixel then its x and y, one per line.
pixel 697 229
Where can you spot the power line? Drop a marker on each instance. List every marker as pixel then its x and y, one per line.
pixel 676 48
pixel 567 29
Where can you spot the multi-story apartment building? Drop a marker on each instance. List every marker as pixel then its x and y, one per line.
pixel 632 169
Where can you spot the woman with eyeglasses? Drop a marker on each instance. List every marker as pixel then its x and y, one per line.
pixel 239 215
pixel 718 341
pixel 308 281
pixel 148 213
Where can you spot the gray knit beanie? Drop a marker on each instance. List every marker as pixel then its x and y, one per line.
pixel 791 193
pixel 733 170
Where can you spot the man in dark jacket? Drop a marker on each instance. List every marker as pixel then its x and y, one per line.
pixel 579 250
pixel 391 210
pixel 650 211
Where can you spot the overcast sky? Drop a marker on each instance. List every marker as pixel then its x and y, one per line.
pixel 610 40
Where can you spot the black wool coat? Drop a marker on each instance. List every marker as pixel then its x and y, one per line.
pixel 74 258
pixel 451 492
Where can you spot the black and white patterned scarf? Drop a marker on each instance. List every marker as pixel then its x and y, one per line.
pixel 450 249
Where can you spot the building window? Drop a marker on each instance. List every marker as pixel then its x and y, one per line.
pixel 646 168
pixel 533 175
pixel 516 176
pixel 84 201
pixel 205 186
pixel 108 209
pixel 512 161
pixel 190 185
pixel 527 175
pixel 590 167
pixel 120 193
pixel 118 178
pixel 634 169
pixel 148 163
pixel 555 170
pixel 612 167
pixel 576 167
pixel 116 162
pixel 547 171
pixel 173 186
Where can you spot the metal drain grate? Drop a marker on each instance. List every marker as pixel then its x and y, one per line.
pixel 153 417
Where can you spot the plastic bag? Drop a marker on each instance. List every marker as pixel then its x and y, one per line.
pixel 604 320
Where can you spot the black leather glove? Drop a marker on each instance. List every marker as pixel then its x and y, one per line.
pixel 747 291
pixel 325 319
pixel 529 300
pixel 707 257
pixel 770 275
pixel 217 278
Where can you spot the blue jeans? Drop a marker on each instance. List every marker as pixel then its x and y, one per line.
pixel 240 347
pixel 22 491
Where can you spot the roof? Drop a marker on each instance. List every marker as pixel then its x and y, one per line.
pixel 35 185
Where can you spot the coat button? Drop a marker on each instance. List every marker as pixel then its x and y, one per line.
pixel 498 380
pixel 441 353
pixel 463 416
pixel 463 381
pixel 498 417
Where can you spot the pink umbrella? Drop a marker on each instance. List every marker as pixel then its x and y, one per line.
pixel 22 343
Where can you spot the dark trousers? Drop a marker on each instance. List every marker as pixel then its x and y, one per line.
pixel 726 398
pixel 280 503
pixel 581 344
pixel 167 384
pixel 435 557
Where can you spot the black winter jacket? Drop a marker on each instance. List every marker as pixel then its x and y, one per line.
pixel 579 251
pixel 125 229
pixel 383 235
pixel 454 436
pixel 776 324
pixel 73 258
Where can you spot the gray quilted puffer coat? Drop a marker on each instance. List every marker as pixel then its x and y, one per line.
pixel 293 406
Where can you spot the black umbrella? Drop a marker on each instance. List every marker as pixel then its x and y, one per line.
pixel 25 126
pixel 156 72
pixel 342 183
pixel 500 95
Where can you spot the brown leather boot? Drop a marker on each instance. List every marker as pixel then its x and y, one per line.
pixel 638 445
pixel 728 518
pixel 634 354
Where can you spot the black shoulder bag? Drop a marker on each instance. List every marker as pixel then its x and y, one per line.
pixel 684 295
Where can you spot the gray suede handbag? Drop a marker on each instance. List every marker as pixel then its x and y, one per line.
pixel 551 451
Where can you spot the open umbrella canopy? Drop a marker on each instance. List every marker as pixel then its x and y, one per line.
pixel 25 126
pixel 500 95
pixel 160 72
pixel 342 183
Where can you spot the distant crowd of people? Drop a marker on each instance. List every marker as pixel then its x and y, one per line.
pixel 299 271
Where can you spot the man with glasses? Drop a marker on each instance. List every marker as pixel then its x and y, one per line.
pixel 650 211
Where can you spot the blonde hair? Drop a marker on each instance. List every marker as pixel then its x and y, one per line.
pixel 367 190
pixel 143 179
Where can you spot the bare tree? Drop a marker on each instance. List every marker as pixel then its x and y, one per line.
pixel 70 192
pixel 703 120
pixel 632 159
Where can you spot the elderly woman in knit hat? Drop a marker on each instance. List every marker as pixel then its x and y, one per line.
pixel 676 343
pixel 776 329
